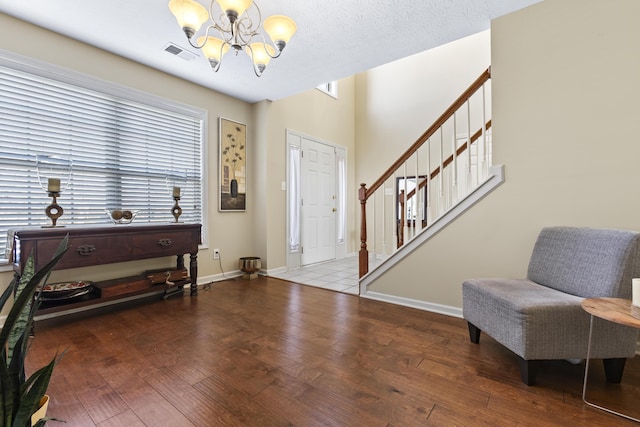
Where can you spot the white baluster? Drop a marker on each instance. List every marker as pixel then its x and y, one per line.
pixel 427 191
pixel 418 213
pixel 372 251
pixel 485 167
pixel 405 223
pixel 455 192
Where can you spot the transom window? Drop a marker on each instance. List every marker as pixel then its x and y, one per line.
pixel 330 88
pixel 110 147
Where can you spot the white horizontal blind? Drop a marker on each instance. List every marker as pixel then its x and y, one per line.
pixel 123 154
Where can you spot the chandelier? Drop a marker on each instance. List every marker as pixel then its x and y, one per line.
pixel 237 23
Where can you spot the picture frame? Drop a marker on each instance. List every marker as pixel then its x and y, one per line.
pixel 232 171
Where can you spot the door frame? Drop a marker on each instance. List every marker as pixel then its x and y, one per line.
pixel 294 139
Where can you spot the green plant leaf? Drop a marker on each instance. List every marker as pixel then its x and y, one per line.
pixel 21 322
pixel 33 390
pixel 24 297
pixel 7 293
pixel 20 397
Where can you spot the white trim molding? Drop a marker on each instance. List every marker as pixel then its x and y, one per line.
pixel 413 303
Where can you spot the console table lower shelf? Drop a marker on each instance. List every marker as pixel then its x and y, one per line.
pixel 110 291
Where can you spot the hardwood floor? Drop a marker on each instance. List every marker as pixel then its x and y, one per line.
pixel 271 353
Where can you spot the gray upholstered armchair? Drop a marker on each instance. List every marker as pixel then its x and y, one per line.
pixel 540 317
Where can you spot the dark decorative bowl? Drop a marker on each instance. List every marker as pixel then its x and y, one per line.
pixel 64 290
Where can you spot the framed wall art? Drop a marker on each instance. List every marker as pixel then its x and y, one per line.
pixel 233 166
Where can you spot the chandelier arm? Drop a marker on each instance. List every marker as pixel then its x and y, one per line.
pixel 217 67
pixel 259 14
pixel 253 66
pixel 218 24
pixel 246 35
pixel 246 27
pixel 277 55
pixel 264 42
pixel 206 34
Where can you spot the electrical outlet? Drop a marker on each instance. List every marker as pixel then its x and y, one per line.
pixel 216 254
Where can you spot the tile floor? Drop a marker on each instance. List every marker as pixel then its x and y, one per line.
pixel 339 275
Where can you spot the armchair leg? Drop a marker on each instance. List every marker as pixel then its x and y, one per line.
pixel 474 333
pixel 528 370
pixel 613 369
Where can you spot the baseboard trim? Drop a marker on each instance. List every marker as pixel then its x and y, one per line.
pixel 275 271
pixel 207 280
pixel 413 303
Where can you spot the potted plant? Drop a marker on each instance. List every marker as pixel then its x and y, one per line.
pixel 21 397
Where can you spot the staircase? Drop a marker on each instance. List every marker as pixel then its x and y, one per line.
pixel 446 170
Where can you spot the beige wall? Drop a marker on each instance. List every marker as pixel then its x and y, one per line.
pixel 565 117
pixel 225 231
pixel 565 91
pixel 397 102
pixel 315 114
pixel 260 231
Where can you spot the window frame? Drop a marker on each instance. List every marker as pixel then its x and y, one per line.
pixel 83 81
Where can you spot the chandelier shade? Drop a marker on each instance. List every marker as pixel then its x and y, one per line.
pixel 261 54
pixel 213 49
pixel 280 28
pixel 234 7
pixel 189 14
pixel 239 25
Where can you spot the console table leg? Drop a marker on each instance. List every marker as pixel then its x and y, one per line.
pixel 193 272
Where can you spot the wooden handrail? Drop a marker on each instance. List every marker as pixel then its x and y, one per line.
pixel 484 77
pixel 364 193
pixel 449 159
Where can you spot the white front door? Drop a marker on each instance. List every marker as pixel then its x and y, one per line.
pixel 318 170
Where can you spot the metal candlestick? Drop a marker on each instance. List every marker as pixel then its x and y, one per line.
pixel 54 210
pixel 176 210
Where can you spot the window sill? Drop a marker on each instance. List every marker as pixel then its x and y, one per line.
pixel 5 266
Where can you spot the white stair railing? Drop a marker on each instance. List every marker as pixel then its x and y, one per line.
pixel 447 163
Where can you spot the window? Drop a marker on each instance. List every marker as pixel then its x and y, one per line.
pixel 294 195
pixel 341 203
pixel 330 88
pixel 406 187
pixel 111 147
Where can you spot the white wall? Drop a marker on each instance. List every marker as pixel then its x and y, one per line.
pixel 565 120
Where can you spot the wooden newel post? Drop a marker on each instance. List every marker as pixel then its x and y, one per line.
pixel 364 253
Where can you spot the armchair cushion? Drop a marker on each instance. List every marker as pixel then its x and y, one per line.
pixel 585 262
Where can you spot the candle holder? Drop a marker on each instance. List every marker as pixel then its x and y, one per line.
pixel 176 210
pixel 54 210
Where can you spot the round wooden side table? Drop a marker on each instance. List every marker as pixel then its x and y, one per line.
pixel 616 310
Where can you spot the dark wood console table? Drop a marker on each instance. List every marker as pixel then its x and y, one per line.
pixel 108 244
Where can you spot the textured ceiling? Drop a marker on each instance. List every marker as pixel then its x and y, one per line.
pixel 335 38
